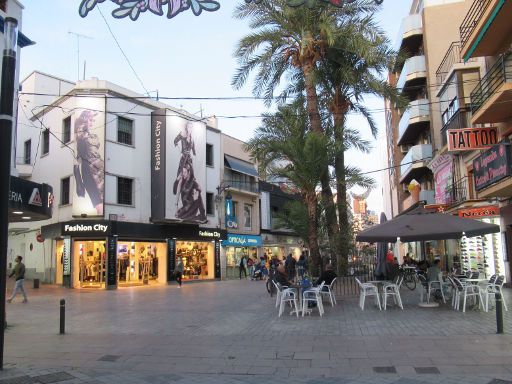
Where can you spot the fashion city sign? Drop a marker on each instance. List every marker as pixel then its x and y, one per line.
pixel 133 8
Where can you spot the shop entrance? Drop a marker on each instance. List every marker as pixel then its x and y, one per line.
pixel 89 270
pixel 140 263
pixel 198 259
pixel 233 257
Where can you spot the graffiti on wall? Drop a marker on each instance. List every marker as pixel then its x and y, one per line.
pixel 133 8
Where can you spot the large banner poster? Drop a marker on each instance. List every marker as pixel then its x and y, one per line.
pixel 88 125
pixel 185 170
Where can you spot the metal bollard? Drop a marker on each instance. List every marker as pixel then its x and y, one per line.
pixel 499 313
pixel 62 316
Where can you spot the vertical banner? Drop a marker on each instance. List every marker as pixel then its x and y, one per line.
pixel 217 259
pixel 442 168
pixel 158 150
pixel 112 263
pixel 66 257
pixel 89 166
pixel 230 213
pixel 171 259
pixel 186 170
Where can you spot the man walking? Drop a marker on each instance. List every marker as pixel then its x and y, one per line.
pixel 19 274
pixel 243 267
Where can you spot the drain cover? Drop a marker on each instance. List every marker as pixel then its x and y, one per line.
pixel 53 377
pixel 384 369
pixel 111 358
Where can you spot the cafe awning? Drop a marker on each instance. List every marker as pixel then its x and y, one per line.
pixel 240 166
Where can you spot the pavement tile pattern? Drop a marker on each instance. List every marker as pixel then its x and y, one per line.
pixel 229 332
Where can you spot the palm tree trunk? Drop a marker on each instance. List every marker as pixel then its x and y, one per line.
pixel 312 206
pixel 327 195
pixel 340 108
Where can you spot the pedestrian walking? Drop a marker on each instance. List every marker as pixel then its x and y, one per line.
pixel 178 271
pixel 243 267
pixel 19 274
pixel 250 266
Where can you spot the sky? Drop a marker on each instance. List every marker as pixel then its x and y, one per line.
pixel 183 57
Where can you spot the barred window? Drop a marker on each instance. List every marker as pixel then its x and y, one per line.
pixel 124 131
pixel 124 191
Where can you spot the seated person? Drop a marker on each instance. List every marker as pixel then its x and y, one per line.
pixel 281 277
pixel 328 275
pixel 433 272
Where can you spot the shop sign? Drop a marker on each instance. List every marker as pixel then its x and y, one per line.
pixel 112 262
pixel 158 163
pixel 441 167
pixel 86 228
pixel 242 240
pixel 230 213
pixel 66 257
pixel 469 139
pixel 474 213
pixel 492 166
pixel 206 233
pixel 30 197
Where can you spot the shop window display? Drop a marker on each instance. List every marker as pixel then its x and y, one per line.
pixel 137 263
pixel 198 259
pixel 233 257
pixel 91 263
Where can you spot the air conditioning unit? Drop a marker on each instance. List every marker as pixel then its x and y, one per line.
pixel 405 148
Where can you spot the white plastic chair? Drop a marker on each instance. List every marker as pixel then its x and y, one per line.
pixel 313 295
pixel 288 296
pixel 432 285
pixel 328 291
pixel 367 289
pixel 393 289
pixel 467 290
pixel 492 288
pixel 279 289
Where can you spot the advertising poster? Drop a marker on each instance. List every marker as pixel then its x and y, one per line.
pixel 185 170
pixel 88 125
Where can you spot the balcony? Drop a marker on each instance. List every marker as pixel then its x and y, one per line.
pixel 486 30
pixel 425 195
pixel 413 75
pixel 492 97
pixel 414 120
pixel 410 35
pixel 458 192
pixel 414 164
pixel 461 119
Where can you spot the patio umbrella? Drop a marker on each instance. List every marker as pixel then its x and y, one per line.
pixel 382 250
pixel 421 224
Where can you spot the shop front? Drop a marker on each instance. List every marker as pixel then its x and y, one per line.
pixel 237 246
pixel 111 254
pixel 282 245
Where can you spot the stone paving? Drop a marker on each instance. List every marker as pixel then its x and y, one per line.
pixel 229 332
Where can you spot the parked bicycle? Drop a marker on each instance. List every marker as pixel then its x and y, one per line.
pixel 410 277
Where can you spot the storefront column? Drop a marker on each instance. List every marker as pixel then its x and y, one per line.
pixel 111 262
pixel 171 259
pixel 217 259
pixel 66 263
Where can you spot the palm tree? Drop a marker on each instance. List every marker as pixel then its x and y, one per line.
pixel 286 148
pixel 350 70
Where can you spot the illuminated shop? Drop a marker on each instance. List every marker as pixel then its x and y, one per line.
pixel 109 254
pixel 237 246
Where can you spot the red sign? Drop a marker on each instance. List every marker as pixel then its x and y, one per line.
pixel 468 139
pixel 474 213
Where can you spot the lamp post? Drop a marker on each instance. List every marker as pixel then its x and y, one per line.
pixel 6 119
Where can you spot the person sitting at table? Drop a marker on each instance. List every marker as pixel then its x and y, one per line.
pixel 434 271
pixel 281 276
pixel 328 275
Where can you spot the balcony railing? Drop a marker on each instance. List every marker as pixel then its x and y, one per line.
pixel 471 20
pixel 242 185
pixel 460 119
pixel 458 192
pixel 410 25
pixel 499 74
pixel 415 158
pixel 413 65
pixel 417 109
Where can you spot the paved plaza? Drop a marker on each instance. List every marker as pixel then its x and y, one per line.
pixel 229 332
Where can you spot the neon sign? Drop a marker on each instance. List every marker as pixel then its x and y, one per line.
pixel 133 8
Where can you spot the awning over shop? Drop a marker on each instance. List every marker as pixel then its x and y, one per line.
pixel 240 166
pixel 29 201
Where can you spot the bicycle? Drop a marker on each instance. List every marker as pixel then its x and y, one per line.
pixel 410 278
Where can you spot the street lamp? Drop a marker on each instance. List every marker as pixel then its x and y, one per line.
pixel 218 199
pixel 6 119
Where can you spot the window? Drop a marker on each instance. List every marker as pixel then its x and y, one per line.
pixel 27 156
pixel 66 130
pixel 247 216
pixel 209 155
pixel 3 5
pixel 209 204
pixel 235 209
pixel 46 141
pixel 124 191
pixel 64 191
pixel 124 131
